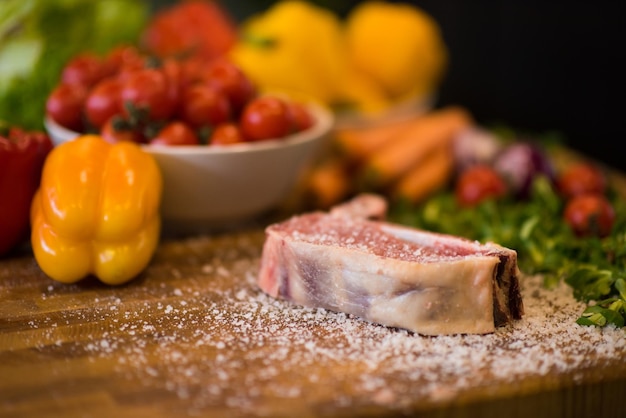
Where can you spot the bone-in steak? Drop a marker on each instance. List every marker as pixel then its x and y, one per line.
pixel 350 260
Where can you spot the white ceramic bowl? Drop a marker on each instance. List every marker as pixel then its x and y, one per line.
pixel 211 188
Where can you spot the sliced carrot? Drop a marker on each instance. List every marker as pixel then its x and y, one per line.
pixel 328 183
pixel 413 145
pixel 358 143
pixel 430 175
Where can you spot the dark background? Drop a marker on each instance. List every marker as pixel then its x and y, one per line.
pixel 540 65
pixel 535 66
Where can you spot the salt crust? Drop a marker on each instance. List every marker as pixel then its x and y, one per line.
pixel 222 343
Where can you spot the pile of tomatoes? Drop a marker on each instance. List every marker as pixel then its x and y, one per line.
pixel 129 96
pixel 581 185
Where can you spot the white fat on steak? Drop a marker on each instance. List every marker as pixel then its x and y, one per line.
pixel 350 260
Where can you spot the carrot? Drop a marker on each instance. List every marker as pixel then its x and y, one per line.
pixel 430 175
pixel 358 143
pixel 328 183
pixel 413 145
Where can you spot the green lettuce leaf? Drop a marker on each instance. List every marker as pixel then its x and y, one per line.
pixel 37 38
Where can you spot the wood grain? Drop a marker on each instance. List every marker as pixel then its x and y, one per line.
pixel 193 337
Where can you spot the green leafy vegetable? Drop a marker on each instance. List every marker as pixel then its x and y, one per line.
pixel 37 37
pixel 595 268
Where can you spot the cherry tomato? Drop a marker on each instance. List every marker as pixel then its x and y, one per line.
pixel 301 116
pixel 228 77
pixel 148 90
pixel 203 105
pixel 193 69
pixel 590 214
pixel 123 58
pixel 104 101
pixel 176 82
pixel 175 133
pixel 118 129
pixel 478 183
pixel 84 69
pixel 580 178
pixel 266 117
pixel 226 134
pixel 65 106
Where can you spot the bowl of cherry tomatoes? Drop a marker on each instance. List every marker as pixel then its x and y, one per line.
pixel 228 153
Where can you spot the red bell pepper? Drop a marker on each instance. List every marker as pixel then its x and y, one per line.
pixel 22 154
pixel 199 27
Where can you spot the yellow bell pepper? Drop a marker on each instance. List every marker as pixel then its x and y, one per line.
pixel 398 45
pixel 296 47
pixel 96 211
pixel 292 46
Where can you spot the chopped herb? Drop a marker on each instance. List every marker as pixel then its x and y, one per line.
pixel 595 268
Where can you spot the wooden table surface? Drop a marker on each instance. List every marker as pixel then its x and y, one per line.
pixel 193 336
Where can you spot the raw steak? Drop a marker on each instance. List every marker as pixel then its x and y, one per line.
pixel 428 283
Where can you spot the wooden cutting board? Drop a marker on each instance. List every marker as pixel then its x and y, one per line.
pixel 193 336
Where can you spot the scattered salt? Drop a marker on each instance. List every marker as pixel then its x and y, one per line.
pixel 222 342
